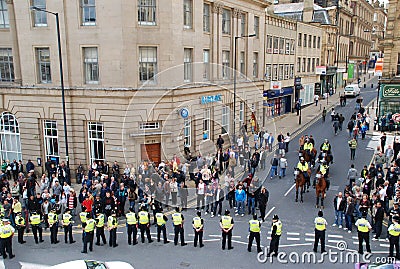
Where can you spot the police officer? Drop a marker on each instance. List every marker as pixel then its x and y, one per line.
pixel 308 147
pixel 276 232
pixel 131 225
pixel 88 229
pixel 178 220
pixel 254 227
pixel 161 220
pixel 53 224
pixel 324 170
pixel 6 234
pixel 100 220
pixel 393 211
pixel 198 227
pixel 394 232
pixel 326 147
pixel 302 165
pixel 35 220
pixel 320 228
pixel 20 223
pixel 83 218
pixel 112 224
pixel 363 227
pixel 226 223
pixel 67 224
pixel 144 224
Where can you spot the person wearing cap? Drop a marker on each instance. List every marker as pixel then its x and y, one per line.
pixel 20 223
pixel 276 232
pixel 363 227
pixel 66 222
pixel 112 224
pixel 131 225
pixel 320 228
pixel 35 221
pixel 88 229
pixel 161 221
pixel 144 224
pixel 100 220
pixel 302 166
pixel 53 224
pixel 394 233
pixel 254 228
pixel 226 224
pixel 6 234
pixel 198 227
pixel 178 221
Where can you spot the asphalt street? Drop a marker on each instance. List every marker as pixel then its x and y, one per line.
pixel 297 219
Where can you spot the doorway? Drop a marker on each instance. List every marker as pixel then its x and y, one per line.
pixel 151 152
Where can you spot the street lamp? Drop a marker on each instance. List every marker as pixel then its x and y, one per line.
pixel 61 78
pixel 234 83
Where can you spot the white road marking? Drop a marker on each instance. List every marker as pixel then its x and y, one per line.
pixel 335 236
pixel 190 234
pixel 236 236
pixel 382 240
pixel 310 234
pixel 354 237
pixel 119 232
pixel 207 240
pixel 293 239
pixel 309 239
pixel 355 242
pixel 295 245
pixel 380 252
pixel 289 233
pixel 214 235
pixel 245 243
pixel 171 234
pixel 384 245
pixel 291 188
pixel 26 265
pixel 269 212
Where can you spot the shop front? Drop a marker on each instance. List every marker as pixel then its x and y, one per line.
pixel 389 106
pixel 278 102
pixel 328 82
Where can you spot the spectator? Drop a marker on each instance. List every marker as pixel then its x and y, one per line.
pixel 349 214
pixel 240 197
pixel 339 204
pixel 274 166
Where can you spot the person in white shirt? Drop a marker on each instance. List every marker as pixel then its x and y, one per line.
pixel 282 167
pixel 240 143
pixel 316 98
pixel 266 136
pixel 201 189
pixel 287 140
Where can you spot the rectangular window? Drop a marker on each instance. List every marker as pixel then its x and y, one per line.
pixel 188 14
pixel 206 18
pixel 303 69
pixel 317 62
pixel 280 75
pixel 281 45
pixel 207 123
pixel 255 65
pixel 149 125
pixel 147 63
pixel 96 141
pixel 241 113
pixel 319 42
pixel 269 44
pixel 308 64
pixel 313 65
pixel 43 65
pixel 4 19
pixel 299 40
pixel 314 45
pixel 292 46
pixel 268 72
pixel 287 46
pixel 275 72
pixel 187 132
pixel 147 12
pixel 187 65
pixel 226 21
pixel 276 45
pixel 6 65
pixel 39 17
pixel 243 25
pixel 91 65
pixel 225 64
pixel 225 119
pixel 286 71
pixel 242 64
pixel 257 26
pixel 291 71
pixel 298 65
pixel 88 12
pixel 309 41
pixel 206 64
pixel 51 146
pixel 305 40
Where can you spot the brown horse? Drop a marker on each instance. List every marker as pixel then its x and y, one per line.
pixel 308 157
pixel 300 183
pixel 325 157
pixel 320 189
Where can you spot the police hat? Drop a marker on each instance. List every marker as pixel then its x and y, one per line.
pixel 131 209
pixel 199 213
pixel 88 215
pixel 5 220
pixel 177 209
pixel 255 216
pixel 19 213
pixel 320 213
pixel 227 212
pixel 275 217
pixel 53 210
pixel 396 218
pixel 364 214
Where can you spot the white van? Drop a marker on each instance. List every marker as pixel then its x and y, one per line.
pixel 352 90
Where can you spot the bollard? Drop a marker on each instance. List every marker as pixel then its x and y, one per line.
pixel 369 75
pixel 320 106
pixel 364 79
pixel 367 110
pixel 365 85
pixel 372 85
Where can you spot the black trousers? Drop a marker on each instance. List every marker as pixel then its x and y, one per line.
pixel 163 229
pixel 88 239
pixel 274 245
pixel 144 228
pixel 100 233
pixel 378 228
pixel 319 236
pixel 53 233
pixel 112 242
pixel 68 234
pixel 178 230
pixel 198 237
pixel 6 246
pixel 226 236
pixel 394 242
pixel 262 210
pixel 35 230
pixel 218 204
pixel 21 231
pixel 132 233
pixel 251 238
pixel 363 237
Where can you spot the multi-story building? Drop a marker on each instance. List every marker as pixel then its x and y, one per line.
pixel 142 78
pixel 377 33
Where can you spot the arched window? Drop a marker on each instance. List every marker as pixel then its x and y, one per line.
pixel 10 146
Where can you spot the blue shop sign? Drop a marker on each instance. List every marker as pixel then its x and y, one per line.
pixel 211 99
pixel 278 93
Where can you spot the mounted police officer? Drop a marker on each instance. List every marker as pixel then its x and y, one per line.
pixel 302 166
pixel 327 149
pixel 324 170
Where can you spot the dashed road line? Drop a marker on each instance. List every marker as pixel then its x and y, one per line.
pixel 293 239
pixel 291 188
pixel 335 236
pixel 289 233
pixel 384 245
pixel 269 212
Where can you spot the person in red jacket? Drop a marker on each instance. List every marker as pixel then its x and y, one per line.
pixel 88 204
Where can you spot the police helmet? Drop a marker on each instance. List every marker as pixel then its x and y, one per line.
pixel 320 213
pixel 88 215
pixel 227 212
pixel 19 213
pixel 301 158
pixel 199 213
pixel 364 214
pixel 396 218
pixel 177 209
pixel 255 216
pixel 275 217
pixel 326 140
pixel 53 210
pixel 5 220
